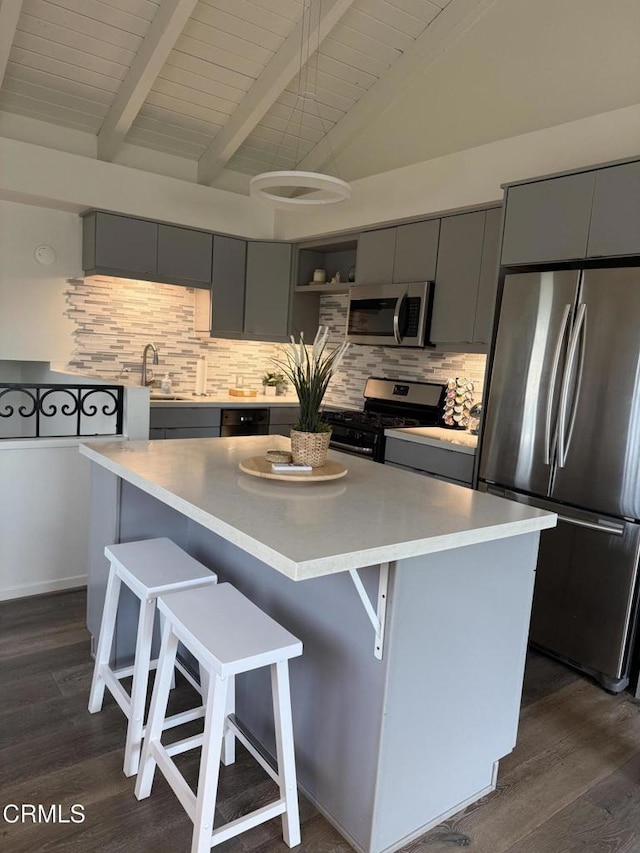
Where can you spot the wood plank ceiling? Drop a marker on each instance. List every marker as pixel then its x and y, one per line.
pixel 217 81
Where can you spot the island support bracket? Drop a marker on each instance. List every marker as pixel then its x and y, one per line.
pixel 376 617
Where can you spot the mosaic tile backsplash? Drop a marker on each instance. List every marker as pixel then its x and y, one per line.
pixel 115 319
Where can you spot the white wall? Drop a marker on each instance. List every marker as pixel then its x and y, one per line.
pixel 59 179
pixel 471 177
pixel 32 301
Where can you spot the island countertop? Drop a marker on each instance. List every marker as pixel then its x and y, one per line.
pixel 375 514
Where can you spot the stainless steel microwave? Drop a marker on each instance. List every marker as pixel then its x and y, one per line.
pixel 394 315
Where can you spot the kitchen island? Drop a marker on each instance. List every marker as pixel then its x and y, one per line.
pixel 411 596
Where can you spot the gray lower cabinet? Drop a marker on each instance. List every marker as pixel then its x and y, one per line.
pixel 184 422
pixel 119 245
pixel 282 419
pixel 457 278
pixel 268 290
pixel 184 256
pixel 227 286
pixel 453 466
pixel 548 220
pixel 615 218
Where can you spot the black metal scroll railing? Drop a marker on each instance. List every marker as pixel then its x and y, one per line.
pixel 35 410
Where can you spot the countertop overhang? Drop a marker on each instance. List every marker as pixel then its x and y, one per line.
pixel 225 401
pixel 375 514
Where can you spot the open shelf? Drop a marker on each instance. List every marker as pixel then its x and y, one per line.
pixel 327 287
pixel 333 256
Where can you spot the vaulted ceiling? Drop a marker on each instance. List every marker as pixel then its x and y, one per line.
pixel 219 82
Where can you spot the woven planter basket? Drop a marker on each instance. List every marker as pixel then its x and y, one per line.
pixel 309 448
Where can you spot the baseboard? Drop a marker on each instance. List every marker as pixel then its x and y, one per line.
pixel 42 587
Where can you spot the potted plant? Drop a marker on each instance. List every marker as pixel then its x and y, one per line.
pixel 310 373
pixel 271 382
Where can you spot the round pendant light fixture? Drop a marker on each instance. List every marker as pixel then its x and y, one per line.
pixel 333 189
pixel 295 187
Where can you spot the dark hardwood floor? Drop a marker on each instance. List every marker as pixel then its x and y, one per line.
pixel 571 784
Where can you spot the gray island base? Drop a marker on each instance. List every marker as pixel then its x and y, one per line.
pixel 394 731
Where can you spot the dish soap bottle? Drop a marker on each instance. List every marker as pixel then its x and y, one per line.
pixel 165 385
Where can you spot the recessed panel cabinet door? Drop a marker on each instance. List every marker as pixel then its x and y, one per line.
pixel 615 219
pixel 184 256
pixel 548 220
pixel 416 251
pixel 457 277
pixel 124 244
pixel 376 254
pixel 268 290
pixel 488 284
pixel 227 287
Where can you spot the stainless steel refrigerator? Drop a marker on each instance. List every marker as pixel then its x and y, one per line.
pixel 562 432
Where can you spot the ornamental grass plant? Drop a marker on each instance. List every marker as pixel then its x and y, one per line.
pixel 310 370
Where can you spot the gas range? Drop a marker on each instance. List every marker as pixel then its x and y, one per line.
pixel 389 403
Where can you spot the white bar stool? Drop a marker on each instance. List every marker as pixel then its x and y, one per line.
pixel 228 635
pixel 148 567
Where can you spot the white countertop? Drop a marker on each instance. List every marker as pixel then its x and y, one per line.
pixel 375 514
pixel 449 439
pixel 227 401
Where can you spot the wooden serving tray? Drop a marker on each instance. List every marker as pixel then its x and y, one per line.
pixel 259 466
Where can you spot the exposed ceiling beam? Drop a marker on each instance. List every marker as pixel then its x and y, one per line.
pixel 280 71
pixel 9 14
pixel 167 24
pixel 444 31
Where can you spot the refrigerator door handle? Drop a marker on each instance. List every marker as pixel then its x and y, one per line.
pixel 612 530
pixel 552 382
pixel 564 435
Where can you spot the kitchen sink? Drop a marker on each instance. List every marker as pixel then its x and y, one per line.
pixel 155 397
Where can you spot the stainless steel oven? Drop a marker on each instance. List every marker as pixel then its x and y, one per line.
pixel 389 404
pixel 395 315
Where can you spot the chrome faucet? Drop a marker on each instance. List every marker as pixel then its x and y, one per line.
pixel 144 380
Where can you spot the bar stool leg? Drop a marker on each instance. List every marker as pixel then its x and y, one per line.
pixel 157 712
pixel 216 703
pixel 139 687
pixel 162 620
pixel 105 640
pixel 285 751
pixel 229 738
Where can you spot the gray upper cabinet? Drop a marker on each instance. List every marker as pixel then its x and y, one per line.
pixel 119 245
pixel 416 251
pixel 127 247
pixel 376 255
pixel 184 256
pixel 404 253
pixel 615 219
pixel 227 286
pixel 548 220
pixel 457 278
pixel 488 284
pixel 267 290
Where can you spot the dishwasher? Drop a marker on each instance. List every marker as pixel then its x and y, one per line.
pixel 244 422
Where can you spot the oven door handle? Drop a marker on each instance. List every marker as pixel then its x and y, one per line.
pixel 396 317
pixel 356 448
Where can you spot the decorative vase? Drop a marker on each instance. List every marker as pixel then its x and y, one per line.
pixel 310 448
pixel 270 390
